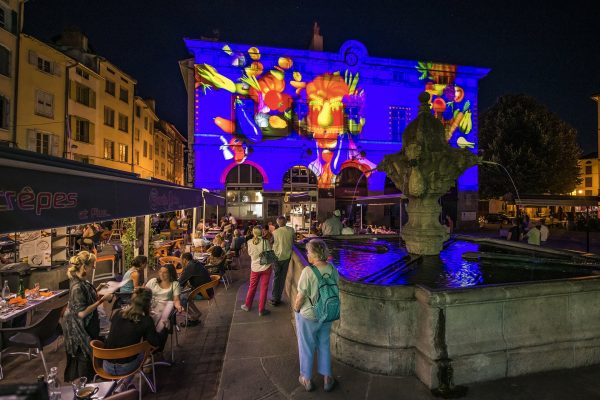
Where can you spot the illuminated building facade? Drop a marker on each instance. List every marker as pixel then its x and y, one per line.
pixel 261 118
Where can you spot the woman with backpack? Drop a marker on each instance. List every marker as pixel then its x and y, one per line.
pixel 316 306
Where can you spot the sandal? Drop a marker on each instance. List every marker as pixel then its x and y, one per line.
pixel 307 383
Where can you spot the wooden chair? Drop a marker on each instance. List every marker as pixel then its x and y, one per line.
pixel 109 257
pixel 178 244
pixel 99 354
pixel 202 290
pixel 162 251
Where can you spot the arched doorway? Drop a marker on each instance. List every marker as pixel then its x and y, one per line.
pixel 351 183
pixel 300 197
pixel 244 185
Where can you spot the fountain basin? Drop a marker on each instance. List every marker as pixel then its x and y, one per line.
pixel 487 331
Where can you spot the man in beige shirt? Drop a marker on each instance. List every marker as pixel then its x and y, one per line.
pixel 282 246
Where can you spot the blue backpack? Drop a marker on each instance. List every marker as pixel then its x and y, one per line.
pixel 327 307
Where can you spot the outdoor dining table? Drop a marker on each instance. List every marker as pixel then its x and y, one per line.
pixel 66 391
pixel 12 311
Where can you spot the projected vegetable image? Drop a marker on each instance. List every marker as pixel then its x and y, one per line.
pixel 273 102
pixel 448 101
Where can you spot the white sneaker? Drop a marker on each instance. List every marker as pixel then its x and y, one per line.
pixel 243 307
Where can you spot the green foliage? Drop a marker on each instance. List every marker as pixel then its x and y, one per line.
pixel 128 239
pixel 538 149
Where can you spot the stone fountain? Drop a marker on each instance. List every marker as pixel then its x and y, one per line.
pixel 424 170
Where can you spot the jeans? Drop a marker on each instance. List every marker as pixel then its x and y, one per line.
pixel 281 269
pixel 255 277
pixel 122 369
pixel 313 336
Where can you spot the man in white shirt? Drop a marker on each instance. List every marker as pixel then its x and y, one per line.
pixel 232 221
pixel 332 226
pixel 544 232
pixel 283 239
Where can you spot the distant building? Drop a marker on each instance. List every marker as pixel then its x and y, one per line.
pixel 143 137
pixel 11 12
pixel 169 153
pixel 589 173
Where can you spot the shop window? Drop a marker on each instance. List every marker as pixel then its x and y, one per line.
pixel 244 174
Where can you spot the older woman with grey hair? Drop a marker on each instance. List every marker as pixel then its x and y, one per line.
pixel 313 335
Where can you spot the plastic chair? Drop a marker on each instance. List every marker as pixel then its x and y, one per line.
pixel 109 257
pixel 44 332
pixel 99 354
pixel 202 290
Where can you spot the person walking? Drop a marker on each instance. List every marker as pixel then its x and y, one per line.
pixel 312 334
pixel 283 238
pixel 258 272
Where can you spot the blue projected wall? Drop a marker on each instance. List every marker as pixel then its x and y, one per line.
pixel 278 108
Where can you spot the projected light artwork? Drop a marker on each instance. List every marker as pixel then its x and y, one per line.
pixel 278 108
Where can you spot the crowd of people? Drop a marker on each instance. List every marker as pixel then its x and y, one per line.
pixel 136 309
pixel 524 229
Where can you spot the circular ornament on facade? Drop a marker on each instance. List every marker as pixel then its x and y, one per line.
pixel 353 52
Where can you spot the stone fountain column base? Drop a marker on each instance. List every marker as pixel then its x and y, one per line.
pixel 423 233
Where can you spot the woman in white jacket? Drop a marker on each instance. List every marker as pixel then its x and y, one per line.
pixel 259 273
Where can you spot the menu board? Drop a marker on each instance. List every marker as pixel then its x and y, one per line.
pixel 35 248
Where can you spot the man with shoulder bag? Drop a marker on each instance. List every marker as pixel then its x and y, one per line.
pixel 282 246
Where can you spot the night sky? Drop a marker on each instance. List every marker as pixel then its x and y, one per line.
pixel 551 52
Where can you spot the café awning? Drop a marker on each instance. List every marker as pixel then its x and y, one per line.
pixel 42 192
pixel 557 200
pixel 381 200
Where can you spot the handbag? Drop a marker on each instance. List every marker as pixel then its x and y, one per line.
pixel 267 256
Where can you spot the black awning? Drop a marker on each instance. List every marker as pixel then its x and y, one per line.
pixel 40 192
pixel 213 199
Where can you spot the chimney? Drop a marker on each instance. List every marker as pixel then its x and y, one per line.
pixel 316 43
pixel 151 103
pixel 74 38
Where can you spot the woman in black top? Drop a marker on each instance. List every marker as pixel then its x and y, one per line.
pixel 128 327
pixel 81 323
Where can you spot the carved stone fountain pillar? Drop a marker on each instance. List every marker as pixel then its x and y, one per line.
pixel 424 170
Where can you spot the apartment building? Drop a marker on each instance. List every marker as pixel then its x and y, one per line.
pixel 176 143
pixel 10 26
pixel 41 103
pixel 144 121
